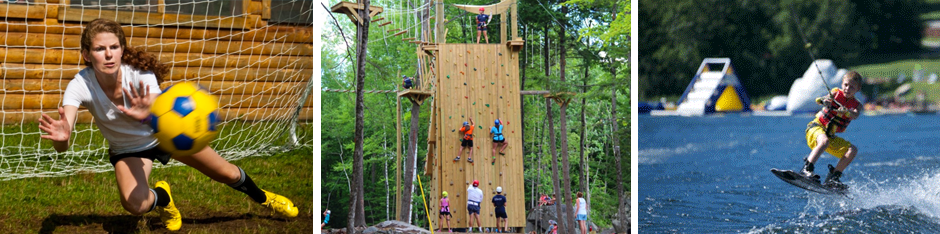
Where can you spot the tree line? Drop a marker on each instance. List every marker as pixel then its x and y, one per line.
pixel 763 40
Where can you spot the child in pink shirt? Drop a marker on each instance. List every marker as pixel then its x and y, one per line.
pixel 445 212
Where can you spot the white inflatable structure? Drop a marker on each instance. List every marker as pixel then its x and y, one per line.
pixel 805 90
pixel 777 103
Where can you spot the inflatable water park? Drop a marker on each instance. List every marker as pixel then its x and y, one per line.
pixel 717 89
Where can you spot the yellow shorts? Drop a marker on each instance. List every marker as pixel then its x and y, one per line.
pixel 837 146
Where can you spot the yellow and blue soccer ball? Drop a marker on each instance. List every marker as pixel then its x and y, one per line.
pixel 184 118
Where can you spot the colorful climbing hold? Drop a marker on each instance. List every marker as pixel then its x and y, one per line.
pixel 474 103
pixel 492 83
pixel 484 86
pixel 500 54
pixel 465 97
pixel 450 117
pixel 474 69
pixel 448 76
pixel 487 105
pixel 468 51
pixel 453 130
pixel 464 83
pixel 464 64
pixel 500 97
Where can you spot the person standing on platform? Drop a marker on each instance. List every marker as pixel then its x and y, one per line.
pixel 482 21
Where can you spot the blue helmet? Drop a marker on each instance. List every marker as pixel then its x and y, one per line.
pixel 496 122
pixel 465 123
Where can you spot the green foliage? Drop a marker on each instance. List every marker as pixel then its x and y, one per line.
pixel 762 40
pixel 589 23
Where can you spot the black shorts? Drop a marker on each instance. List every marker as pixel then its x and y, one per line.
pixel 466 143
pixel 500 141
pixel 473 209
pixel 501 213
pixel 447 213
pixel 480 27
pixel 153 154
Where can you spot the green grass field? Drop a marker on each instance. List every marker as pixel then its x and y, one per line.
pixel 89 202
pixel 933 15
pixel 890 71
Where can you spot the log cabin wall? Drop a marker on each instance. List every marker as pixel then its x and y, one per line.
pixel 254 55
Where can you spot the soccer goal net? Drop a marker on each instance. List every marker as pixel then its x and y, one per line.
pixel 254 55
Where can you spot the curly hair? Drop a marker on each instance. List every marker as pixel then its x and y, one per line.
pixel 136 57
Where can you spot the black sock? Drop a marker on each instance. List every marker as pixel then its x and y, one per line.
pixel 160 197
pixel 245 185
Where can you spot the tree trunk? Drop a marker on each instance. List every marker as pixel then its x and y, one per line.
pixel 555 183
pixel 538 161
pixel 357 192
pixel 585 183
pixel 524 61
pixel 622 209
pixel 545 50
pixel 566 168
pixel 372 172
pixel 408 181
pixel 388 191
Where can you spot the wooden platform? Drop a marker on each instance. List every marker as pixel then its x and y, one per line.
pixel 351 9
pixel 515 45
pixel 416 95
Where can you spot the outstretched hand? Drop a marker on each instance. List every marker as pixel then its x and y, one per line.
pixel 140 102
pixel 56 130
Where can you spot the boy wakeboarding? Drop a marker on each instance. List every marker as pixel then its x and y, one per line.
pixel 839 108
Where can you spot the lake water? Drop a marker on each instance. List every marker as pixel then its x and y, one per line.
pixel 712 175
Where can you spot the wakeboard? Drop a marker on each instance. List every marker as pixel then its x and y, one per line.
pixel 809 184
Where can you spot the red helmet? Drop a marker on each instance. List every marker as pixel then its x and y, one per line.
pixel 476 183
pixel 481 9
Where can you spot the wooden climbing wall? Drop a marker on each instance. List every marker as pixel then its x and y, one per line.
pixel 479 81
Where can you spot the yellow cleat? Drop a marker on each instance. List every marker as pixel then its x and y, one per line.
pixel 280 204
pixel 169 214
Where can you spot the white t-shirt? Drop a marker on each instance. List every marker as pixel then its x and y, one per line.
pixel 582 206
pixel 474 194
pixel 124 134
